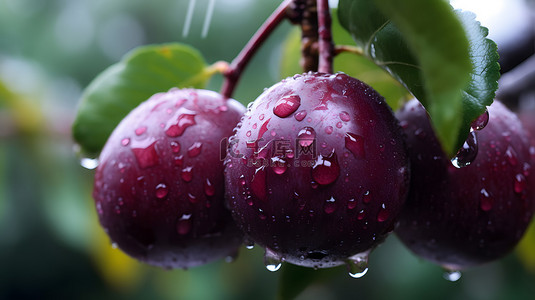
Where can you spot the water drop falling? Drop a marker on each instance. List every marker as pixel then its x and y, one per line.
pixel 306 136
pixel 467 153
pixel 355 144
pixel 326 169
pixel 272 260
pixel 452 276
pixel 287 105
pixel 357 265
pixel 89 163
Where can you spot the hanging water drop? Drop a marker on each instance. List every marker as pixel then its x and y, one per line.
pixel 272 260
pixel 481 121
pixel 452 276
pixel 89 163
pixel 467 153
pixel 357 265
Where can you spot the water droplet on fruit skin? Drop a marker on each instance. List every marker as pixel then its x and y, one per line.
pixel 357 265
pixel 287 105
pixel 520 183
pixel 329 207
pixel 329 129
pixel 258 183
pixel 452 276
pixel 192 199
pixel 351 204
pixel 175 147
pixel 261 117
pixel 209 189
pixel 161 191
pixel 485 200
pixel 146 157
pixel 355 144
pixel 481 121
pixel 187 174
pixel 383 214
pixel 183 122
pixel 344 116
pixel 263 129
pixel 89 163
pixel 339 125
pixel 141 130
pixel 300 115
pixel 326 169
pixel 183 225
pixel 511 156
pixel 272 260
pixel 367 197
pixel 195 149
pixel 306 136
pixel 467 153
pixel 125 141
pixel 278 165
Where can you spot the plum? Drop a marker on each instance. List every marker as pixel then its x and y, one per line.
pixel 317 171
pixel 159 186
pixel 460 217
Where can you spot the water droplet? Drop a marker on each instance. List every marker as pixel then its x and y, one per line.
pixel 195 149
pixel 383 214
pixel 209 189
pixel 351 203
pixel 287 105
pixel 272 260
pixel 183 122
pixel 339 125
pixel 361 215
pixel 481 121
pixel 263 129
pixel 355 144
pixel 254 126
pixel 114 245
pixel 520 183
pixel 485 201
pixel 261 117
pixel 526 169
pixel 278 165
pixel 248 134
pixel 329 129
pixel 367 197
pixel 178 160
pixel 511 156
pixel 306 136
pixel 125 141
pixel 357 265
pixel 326 169
pixel 141 130
pixel 183 225
pixel 329 206
pixel 89 163
pixel 258 184
pixel 192 198
pixel 452 275
pixel 300 115
pixel 467 153
pixel 146 157
pixel 187 174
pixel 344 116
pixel 175 147
pixel 242 179
pixel 161 190
pixel 223 108
pixel 249 244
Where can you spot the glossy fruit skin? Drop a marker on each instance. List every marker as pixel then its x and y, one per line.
pixel 305 218
pixel 460 217
pixel 159 187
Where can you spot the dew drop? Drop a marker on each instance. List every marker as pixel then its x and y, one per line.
pixel 452 276
pixel 209 188
pixel 287 105
pixel 329 129
pixel 175 147
pixel 326 169
pixel 511 156
pixel 278 165
pixel 125 141
pixel 258 184
pixel 520 183
pixel 140 130
pixel 306 136
pixel 351 204
pixel 248 134
pixel 178 160
pixel 467 153
pixel 183 225
pixel 146 157
pixel 187 174
pixel 481 121
pixel 526 169
pixel 344 116
pixel 192 198
pixel 223 108
pixel 161 190
pixel 261 117
pixel 254 126
pixel 361 215
pixel 300 115
pixel 339 125
pixel 357 265
pixel 383 214
pixel 195 149
pixel 355 144
pixel 485 201
pixel 89 163
pixel 367 197
pixel 183 122
pixel 272 260
pixel 263 129
pixel 329 206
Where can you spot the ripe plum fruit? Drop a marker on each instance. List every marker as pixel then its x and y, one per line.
pixel 459 217
pixel 317 171
pixel 159 187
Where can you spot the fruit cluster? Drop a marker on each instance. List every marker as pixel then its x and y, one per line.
pixel 318 171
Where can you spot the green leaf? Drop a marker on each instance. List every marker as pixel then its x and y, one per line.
pixel 295 279
pixel 439 57
pixel 123 86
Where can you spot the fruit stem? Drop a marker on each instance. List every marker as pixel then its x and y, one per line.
pixel 349 49
pixel 233 74
pixel 325 42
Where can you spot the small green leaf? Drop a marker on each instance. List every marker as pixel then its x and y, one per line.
pixel 441 57
pixel 123 86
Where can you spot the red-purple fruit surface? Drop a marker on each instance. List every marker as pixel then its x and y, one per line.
pixel 159 187
pixel 317 170
pixel 458 217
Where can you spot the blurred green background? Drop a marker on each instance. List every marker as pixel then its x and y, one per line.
pixel 51 246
